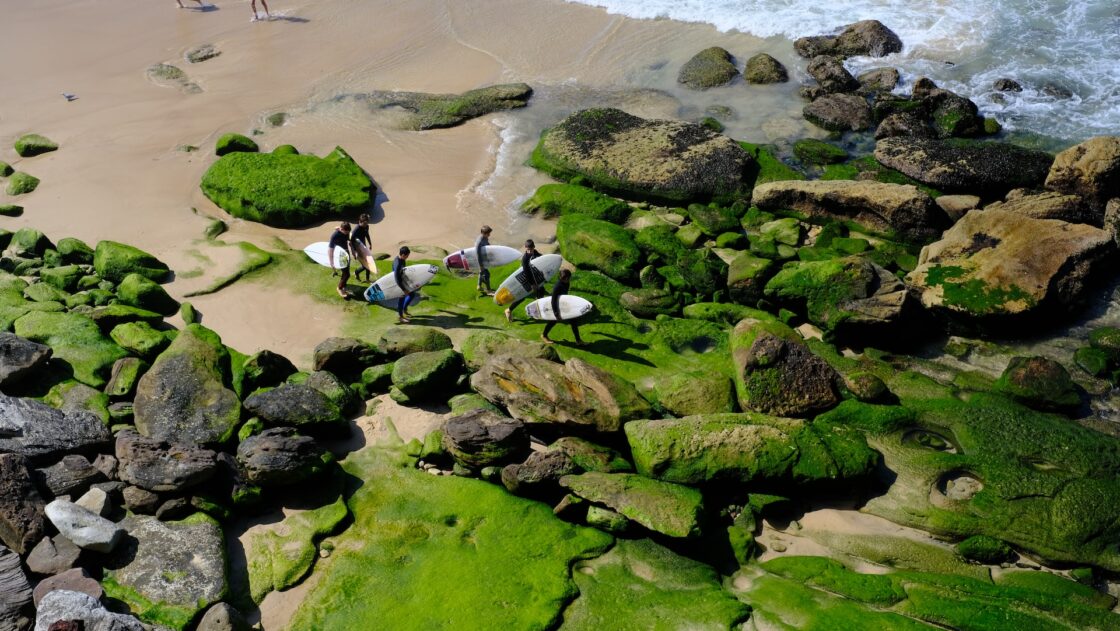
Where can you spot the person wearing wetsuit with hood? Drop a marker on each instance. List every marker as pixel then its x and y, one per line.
pixel 563 284
pixel 399 264
pixel 536 288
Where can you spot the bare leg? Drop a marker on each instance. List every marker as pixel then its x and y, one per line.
pixel 263 2
pixel 253 4
pixel 180 3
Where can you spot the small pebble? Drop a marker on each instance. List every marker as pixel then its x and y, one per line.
pixel 778 546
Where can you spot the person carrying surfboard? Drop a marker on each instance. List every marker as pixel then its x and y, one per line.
pixel 480 244
pixel 340 238
pixel 563 284
pixel 361 248
pixel 399 264
pixel 530 274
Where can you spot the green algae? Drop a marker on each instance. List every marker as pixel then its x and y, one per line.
pixel 599 245
pixel 972 294
pixel 670 509
pixel 769 168
pixel 556 200
pixel 469 556
pixel 252 259
pixel 77 343
pixel 20 183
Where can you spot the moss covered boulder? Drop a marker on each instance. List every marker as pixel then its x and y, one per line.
pixel 1090 170
pixel 20 183
pixel 650 302
pixel 428 376
pixel 77 343
pixel 184 396
pixel 689 393
pixel 482 438
pixel 987 169
pixel 998 264
pixel 296 406
pixel 554 200
pixel 233 143
pixel 776 373
pixel 479 346
pixel 137 291
pixel 399 341
pixel 746 278
pixel 437 111
pixel 708 68
pixel 1040 383
pixel 669 509
pixel 288 191
pixel 644 585
pixel 818 152
pixel 600 245
pixel 140 339
pixel 748 448
pixel 113 261
pixel 763 68
pixel 461 556
pixel 29 145
pixel 574 395
pixel 634 158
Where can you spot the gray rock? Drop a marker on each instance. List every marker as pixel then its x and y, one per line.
pixel 199 54
pixel 295 405
pixel 987 169
pixel 540 473
pixel 87 530
pixel 264 369
pixel 345 356
pixel 832 75
pixel 482 438
pixel 140 501
pixel 777 374
pixel 20 357
pixel 21 507
pixel 161 466
pixel 904 124
pixel 336 390
pixel 74 580
pixel 15 593
pixel 1007 85
pixel 38 431
pixel 222 617
pixel 763 69
pixel 70 476
pixel 708 68
pixel 96 501
pixel 53 555
pixel 107 465
pixel 839 112
pixel 868 37
pixel 174 509
pixel 179 564
pixel 878 80
pixel 66 605
pixel 279 456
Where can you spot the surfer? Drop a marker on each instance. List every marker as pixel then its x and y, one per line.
pixel 254 5
pixel 530 274
pixel 361 248
pixel 480 244
pixel 340 238
pixel 398 275
pixel 563 284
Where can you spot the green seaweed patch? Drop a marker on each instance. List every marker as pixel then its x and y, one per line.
pixel 767 167
pixel 869 167
pixel 555 200
pixel 252 259
pixel 974 295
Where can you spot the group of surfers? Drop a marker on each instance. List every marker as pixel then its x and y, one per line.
pixel 355 241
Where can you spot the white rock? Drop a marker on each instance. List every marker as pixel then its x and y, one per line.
pixel 67 605
pixel 85 528
pixel 96 501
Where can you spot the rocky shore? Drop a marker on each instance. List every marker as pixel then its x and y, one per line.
pixel 757 435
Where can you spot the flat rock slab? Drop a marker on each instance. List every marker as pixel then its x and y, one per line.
pixel 67 605
pixel 987 169
pixel 15 592
pixel 74 580
pixel 162 466
pixel 670 509
pixel 38 431
pixel 86 529
pixel 53 555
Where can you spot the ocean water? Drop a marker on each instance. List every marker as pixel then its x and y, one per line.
pixel 1065 53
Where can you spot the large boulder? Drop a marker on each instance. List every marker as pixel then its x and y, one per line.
pixel 1091 170
pixel 161 466
pixel 868 37
pixel 775 373
pixel 295 405
pixel 86 529
pixel 831 74
pixel 479 346
pixel 708 68
pixel 746 277
pixel 137 290
pixel 669 509
pixel 633 158
pixel 748 449
pixel 288 190
pixel 428 376
pixel 890 208
pixel 573 395
pixel 38 431
pixel 688 393
pixel 1040 383
pixel 399 341
pixel 280 456
pixel 539 476
pixel 183 397
pixel 76 342
pixel 64 606
pixel 20 357
pixel 113 261
pixel 994 264
pixel 30 145
pixel 839 112
pixel 594 244
pixel 763 68
pixel 168 572
pixel 1046 205
pixel 346 356
pixel 262 369
pixel 482 438
pixel 987 169
pixel 554 200
pixel 21 507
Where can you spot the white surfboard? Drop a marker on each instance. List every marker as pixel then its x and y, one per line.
pixel 318 253
pixel 467 260
pixel 571 307
pixel 416 276
pixel 518 284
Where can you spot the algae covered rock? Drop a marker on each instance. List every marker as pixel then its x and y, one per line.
pixel 29 145
pixel 482 438
pixel 404 340
pixel 643 584
pixel 708 68
pixel 481 345
pixel 813 151
pixel 428 376
pixel 831 74
pixel 839 112
pixel 650 302
pixel 288 191
pixel 633 158
pixel 987 169
pixel 994 263
pixel 748 448
pixel 775 373
pixel 170 571
pixel 139 338
pixel 280 456
pixel 600 245
pixel 162 466
pixel 1040 383
pixel 233 143
pixel 746 278
pixel 985 549
pixel 113 261
pixel 21 183
pixel 76 341
pixel 763 68
pixel 669 509
pixel 296 405
pixel 183 397
pixel 554 200
pixel 867 37
pixel 138 291
pixel 591 457
pixel 573 395
pixel 689 393
pixel 437 111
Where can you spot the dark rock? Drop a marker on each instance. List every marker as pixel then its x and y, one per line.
pixel 162 466
pixel 482 438
pixel 1090 169
pixel 952 115
pixel 868 37
pixel 139 500
pixel 878 80
pixel 21 507
pixel 345 356
pixel 70 476
pixel 64 607
pixel 20 357
pixel 764 69
pixel 839 112
pixel 53 555
pixel 222 617
pixel 428 376
pixel 904 124
pixel 40 432
pixel 296 405
pixel 1007 85
pixel 832 75
pixel 15 593
pixel 539 475
pixel 777 374
pixel 1056 91
pixel 987 169
pixel 174 509
pixel 709 68
pixel 336 390
pixel 84 528
pixel 73 580
pixel 264 369
pixel 280 456
pixel 1040 383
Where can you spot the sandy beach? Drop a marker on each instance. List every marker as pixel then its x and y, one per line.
pixel 121 176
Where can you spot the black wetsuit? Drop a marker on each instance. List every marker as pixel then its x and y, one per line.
pixel 536 285
pixel 360 235
pixel 562 286
pixel 480 250
pixel 402 282
pixel 341 240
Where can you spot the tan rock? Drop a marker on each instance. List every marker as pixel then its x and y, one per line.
pixel 1091 170
pixel 957 205
pixel 1049 205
